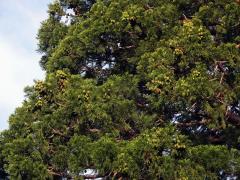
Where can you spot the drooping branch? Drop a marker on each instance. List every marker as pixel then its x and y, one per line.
pixel 193 123
pixel 230 117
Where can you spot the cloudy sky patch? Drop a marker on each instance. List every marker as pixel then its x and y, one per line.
pixel 20 21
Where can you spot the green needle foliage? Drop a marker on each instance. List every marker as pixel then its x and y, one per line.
pixel 134 89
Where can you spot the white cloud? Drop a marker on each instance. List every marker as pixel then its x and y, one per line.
pixel 16 71
pixel 19 66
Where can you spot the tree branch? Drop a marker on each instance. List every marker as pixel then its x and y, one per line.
pixel 192 123
pixel 233 118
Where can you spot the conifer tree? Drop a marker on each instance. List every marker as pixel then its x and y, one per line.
pixel 134 89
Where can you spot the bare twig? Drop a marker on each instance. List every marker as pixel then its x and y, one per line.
pixel 221 79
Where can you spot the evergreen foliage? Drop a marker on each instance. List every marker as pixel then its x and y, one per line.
pixel 135 89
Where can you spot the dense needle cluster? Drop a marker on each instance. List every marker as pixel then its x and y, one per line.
pixel 135 89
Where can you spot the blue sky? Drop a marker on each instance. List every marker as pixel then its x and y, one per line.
pixel 20 21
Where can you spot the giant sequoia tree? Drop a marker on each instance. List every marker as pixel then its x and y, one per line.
pixel 136 89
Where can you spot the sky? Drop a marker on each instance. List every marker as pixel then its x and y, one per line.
pixel 19 60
